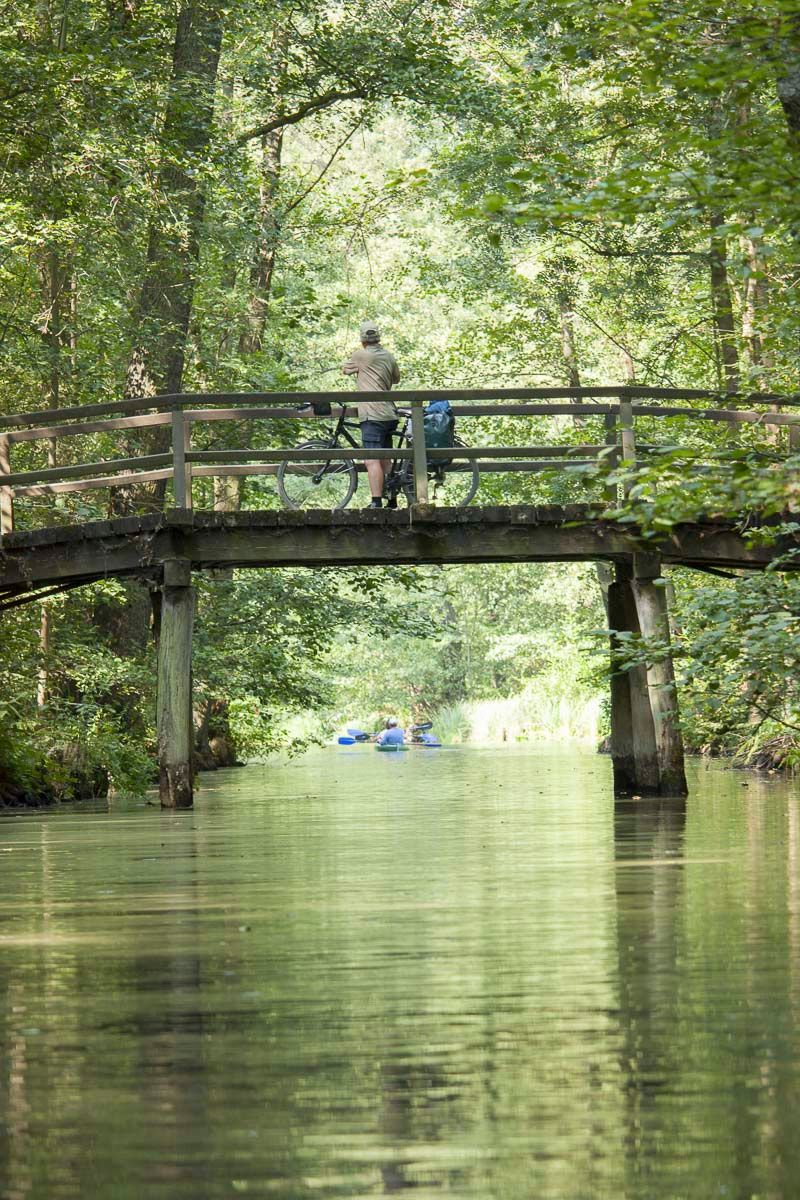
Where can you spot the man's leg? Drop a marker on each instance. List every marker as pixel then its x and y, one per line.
pixel 371 439
pixel 387 443
pixel 375 476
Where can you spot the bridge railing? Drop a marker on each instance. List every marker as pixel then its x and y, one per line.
pixel 175 460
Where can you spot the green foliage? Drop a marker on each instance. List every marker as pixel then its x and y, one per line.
pixel 739 669
pixel 507 655
pixel 519 193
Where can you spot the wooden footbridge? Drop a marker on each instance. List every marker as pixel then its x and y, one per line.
pixel 74 510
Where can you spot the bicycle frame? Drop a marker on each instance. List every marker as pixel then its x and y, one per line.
pixel 341 430
pixel 334 435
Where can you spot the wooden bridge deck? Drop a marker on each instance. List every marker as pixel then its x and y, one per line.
pixel 139 545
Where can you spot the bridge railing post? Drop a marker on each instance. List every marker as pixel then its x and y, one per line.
pixel 610 494
pixel 6 493
pixel 181 469
pixel 794 431
pixel 420 460
pixel 627 436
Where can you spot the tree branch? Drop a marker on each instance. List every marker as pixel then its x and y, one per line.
pixel 311 106
pixel 608 252
pixel 771 717
pixel 300 197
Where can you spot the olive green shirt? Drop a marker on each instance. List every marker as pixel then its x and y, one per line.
pixel 375 370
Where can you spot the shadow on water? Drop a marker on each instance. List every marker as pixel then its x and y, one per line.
pixel 171 1035
pixel 473 975
pixel 648 847
pixel 707 949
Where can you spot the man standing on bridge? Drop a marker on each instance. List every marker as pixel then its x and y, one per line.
pixel 375 370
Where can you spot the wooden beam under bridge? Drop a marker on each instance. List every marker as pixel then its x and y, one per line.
pixel 523 533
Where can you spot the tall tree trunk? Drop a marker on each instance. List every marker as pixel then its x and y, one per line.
pixel 55 284
pixel 56 315
pixel 263 265
pixel 54 278
pixel 568 351
pixel 628 365
pixel 44 657
pixel 163 310
pixel 789 82
pixel 722 307
pixel 754 305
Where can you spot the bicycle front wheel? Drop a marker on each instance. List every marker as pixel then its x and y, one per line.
pixel 454 485
pixel 316 483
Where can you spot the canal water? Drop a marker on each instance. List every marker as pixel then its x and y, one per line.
pixel 460 972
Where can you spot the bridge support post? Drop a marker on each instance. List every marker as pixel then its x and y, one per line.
pixel 651 607
pixel 633 741
pixel 174 708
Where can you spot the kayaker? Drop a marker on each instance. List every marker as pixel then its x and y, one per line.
pixel 392 735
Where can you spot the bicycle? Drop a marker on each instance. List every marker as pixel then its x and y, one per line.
pixel 331 483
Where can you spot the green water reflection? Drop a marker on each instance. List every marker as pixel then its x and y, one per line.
pixel 464 973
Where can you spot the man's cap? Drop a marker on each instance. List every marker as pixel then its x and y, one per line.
pixel 369 330
pixel 390 722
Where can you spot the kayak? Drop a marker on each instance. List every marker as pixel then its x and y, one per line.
pixel 392 748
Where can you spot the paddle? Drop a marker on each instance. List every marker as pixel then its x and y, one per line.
pixel 354 735
pixel 357 735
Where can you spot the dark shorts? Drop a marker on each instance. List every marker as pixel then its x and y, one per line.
pixel 377 435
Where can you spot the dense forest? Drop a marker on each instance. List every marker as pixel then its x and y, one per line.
pixel 203 197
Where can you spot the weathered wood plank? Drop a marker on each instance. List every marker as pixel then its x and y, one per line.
pixel 647 773
pixel 523 533
pixel 471 452
pixel 633 746
pixel 627 437
pixel 146 421
pixel 6 493
pixel 524 409
pixel 165 402
pixel 89 485
pixel 181 461
pixel 174 696
pixel 291 454
pixel 740 417
pixel 420 457
pixel 80 470
pixel 623 762
pixel 651 607
pixel 196 415
pixel 220 471
pixel 487 468
pixel 483 467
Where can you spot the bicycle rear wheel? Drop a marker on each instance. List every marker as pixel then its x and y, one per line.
pixel 452 486
pixel 316 483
